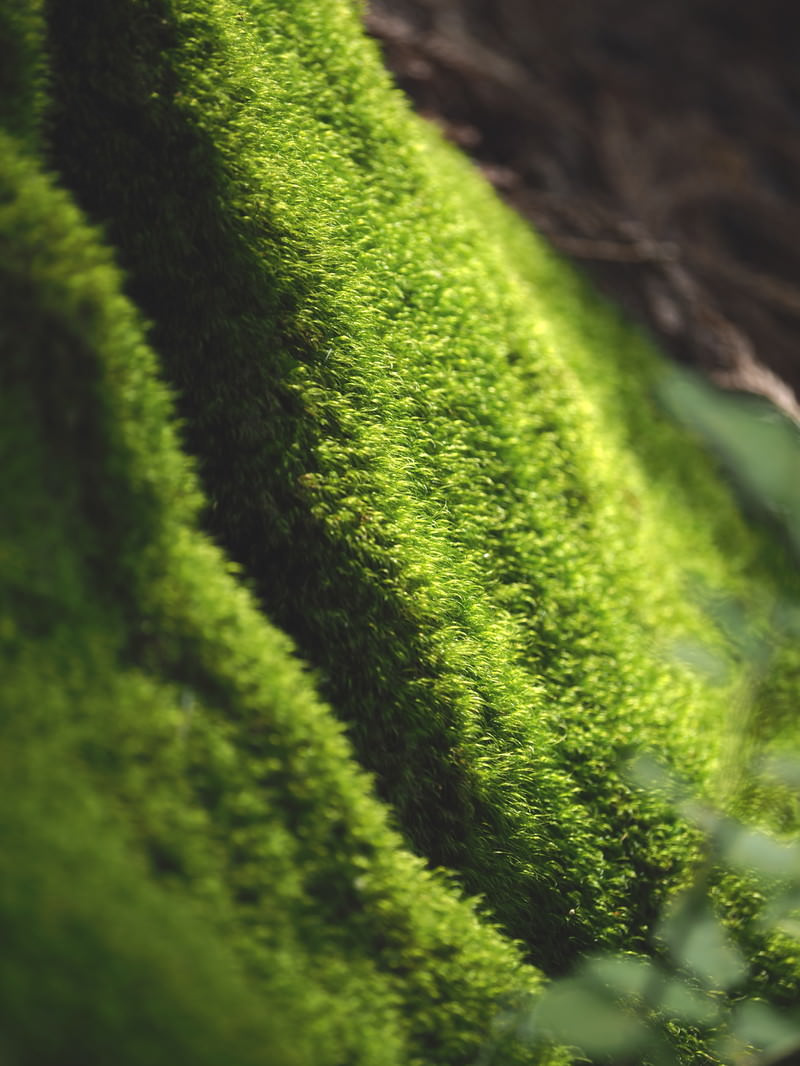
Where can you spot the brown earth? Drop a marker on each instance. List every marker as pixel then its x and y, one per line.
pixel 656 142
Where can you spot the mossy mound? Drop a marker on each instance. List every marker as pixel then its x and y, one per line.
pixel 193 867
pixel 434 459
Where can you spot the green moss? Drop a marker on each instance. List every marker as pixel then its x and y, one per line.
pixel 22 71
pixel 400 446
pixel 434 458
pixel 193 868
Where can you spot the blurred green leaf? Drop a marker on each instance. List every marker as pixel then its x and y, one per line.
pixel 647 772
pixel 789 927
pixel 761 1026
pixel 697 941
pixel 626 975
pixel 750 849
pixel 575 1013
pixel 703 816
pixel 755 443
pixel 703 659
pixel 683 1003
pixel 784 768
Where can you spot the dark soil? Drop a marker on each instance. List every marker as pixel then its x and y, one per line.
pixel 657 142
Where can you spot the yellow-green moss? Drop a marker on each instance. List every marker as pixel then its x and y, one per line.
pixel 435 459
pixel 193 869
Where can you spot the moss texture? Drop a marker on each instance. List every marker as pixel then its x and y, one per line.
pixel 428 455
pixel 191 859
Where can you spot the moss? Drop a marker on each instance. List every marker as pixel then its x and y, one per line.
pixel 22 71
pixel 193 867
pixel 434 460
pixel 400 448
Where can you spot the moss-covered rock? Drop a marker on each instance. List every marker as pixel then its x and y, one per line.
pixel 434 461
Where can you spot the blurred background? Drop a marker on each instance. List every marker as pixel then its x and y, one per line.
pixel 657 144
